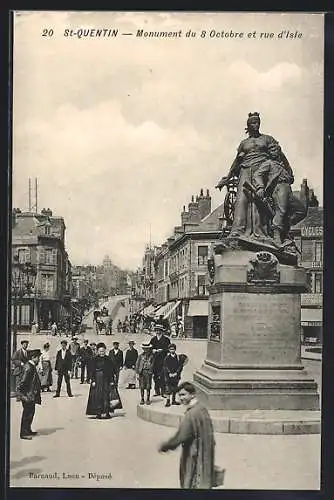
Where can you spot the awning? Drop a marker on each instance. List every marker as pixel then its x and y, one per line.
pixel 148 310
pixel 161 310
pixel 198 308
pixel 171 308
pixel 311 317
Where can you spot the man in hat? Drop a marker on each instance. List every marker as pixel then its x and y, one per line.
pixel 20 357
pixel 160 344
pixel 131 357
pixel 63 366
pixel 85 353
pixel 29 393
pixel 144 370
pixel 116 355
pixel 173 366
pixel 74 349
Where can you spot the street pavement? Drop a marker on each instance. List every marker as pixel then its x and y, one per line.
pixel 80 449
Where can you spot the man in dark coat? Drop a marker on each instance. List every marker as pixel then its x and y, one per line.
pixel 173 366
pixel 130 361
pixel 29 393
pixel 116 355
pixel 85 354
pixel 195 434
pixel 19 359
pixel 63 366
pixel 160 344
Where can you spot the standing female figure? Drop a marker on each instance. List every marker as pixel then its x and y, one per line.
pixel 45 369
pixel 103 396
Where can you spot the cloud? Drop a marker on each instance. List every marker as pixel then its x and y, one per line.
pixel 121 133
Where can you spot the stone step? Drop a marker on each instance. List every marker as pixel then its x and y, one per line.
pixel 238 421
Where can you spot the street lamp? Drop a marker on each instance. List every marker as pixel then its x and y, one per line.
pixel 23 282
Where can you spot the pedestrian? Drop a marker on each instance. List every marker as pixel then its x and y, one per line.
pixel 45 369
pixel 85 353
pixel 119 326
pixel 160 344
pixel 109 329
pixel 54 328
pixel 63 367
pixel 103 396
pixel 130 361
pixel 33 328
pixel 173 366
pixel 74 348
pixel 144 370
pixel 19 358
pixel 195 434
pixel 116 355
pixel 29 393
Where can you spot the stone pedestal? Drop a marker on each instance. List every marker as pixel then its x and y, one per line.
pixel 254 354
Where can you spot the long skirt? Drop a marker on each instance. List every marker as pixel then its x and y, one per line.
pixel 103 398
pixel 46 376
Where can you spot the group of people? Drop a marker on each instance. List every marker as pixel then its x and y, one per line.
pixel 158 362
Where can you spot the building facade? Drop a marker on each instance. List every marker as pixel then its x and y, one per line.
pixel 39 239
pixel 308 235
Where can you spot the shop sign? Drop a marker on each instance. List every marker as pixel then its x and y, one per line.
pixel 312 231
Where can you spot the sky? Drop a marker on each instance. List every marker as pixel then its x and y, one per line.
pixel 122 131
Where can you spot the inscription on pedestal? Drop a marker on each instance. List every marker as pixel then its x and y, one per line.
pixel 261 329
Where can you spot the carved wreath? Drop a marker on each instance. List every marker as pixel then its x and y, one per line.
pixel 264 268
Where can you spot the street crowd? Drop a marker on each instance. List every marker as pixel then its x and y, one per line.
pixel 158 366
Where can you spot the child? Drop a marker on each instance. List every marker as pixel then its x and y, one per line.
pixel 144 370
pixel 173 366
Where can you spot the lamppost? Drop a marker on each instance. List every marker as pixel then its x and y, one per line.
pixel 23 282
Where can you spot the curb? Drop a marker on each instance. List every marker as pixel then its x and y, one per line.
pixel 243 423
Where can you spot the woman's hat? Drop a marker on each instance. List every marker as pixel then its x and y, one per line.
pixel 101 344
pixel 159 327
pixel 132 342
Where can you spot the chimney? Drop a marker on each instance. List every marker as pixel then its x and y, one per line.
pixel 184 216
pixel 194 213
pixel 178 230
pixel 204 204
pixel 170 240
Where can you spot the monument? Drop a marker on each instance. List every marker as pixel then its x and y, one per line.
pixel 253 356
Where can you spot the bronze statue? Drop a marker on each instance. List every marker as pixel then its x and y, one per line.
pixel 264 208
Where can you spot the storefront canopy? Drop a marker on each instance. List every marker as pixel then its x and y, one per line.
pixel 311 317
pixel 198 308
pixel 148 310
pixel 171 307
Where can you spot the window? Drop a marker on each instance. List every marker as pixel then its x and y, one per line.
pixel 47 230
pixel 47 287
pixel 49 256
pixel 318 251
pixel 201 284
pixel 318 283
pixel 309 280
pixel 202 253
pixel 24 255
pixel 307 250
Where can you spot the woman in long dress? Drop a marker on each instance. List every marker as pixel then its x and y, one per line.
pixel 45 369
pixel 103 396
